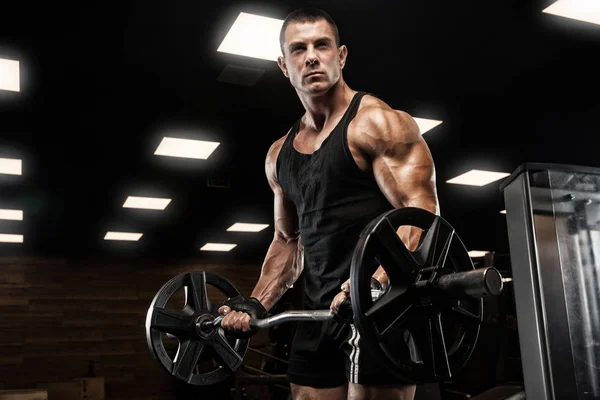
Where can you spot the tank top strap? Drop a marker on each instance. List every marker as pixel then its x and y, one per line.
pixel 285 147
pixel 352 108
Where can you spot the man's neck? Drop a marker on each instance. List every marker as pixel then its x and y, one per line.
pixel 320 108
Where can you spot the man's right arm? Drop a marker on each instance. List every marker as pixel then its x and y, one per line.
pixel 285 257
pixel 284 260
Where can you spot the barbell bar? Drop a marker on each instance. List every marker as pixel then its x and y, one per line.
pixel 434 299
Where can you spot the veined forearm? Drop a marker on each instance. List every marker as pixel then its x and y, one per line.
pixel 282 266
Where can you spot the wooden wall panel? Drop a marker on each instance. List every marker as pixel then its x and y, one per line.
pixel 57 316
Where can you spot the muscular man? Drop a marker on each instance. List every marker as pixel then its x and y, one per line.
pixel 347 160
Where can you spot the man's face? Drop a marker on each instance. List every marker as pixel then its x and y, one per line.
pixel 311 61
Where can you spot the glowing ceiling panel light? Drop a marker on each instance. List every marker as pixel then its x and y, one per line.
pixel 253 36
pixel 13 215
pixel 9 238
pixel 217 247
pixel 426 124
pixel 10 166
pixel 185 148
pixel 9 75
pixel 581 10
pixel 125 236
pixel 147 203
pixel 477 253
pixel 477 177
pixel 244 227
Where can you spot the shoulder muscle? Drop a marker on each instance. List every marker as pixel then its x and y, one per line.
pixel 379 129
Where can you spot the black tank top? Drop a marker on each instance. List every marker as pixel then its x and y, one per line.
pixel 334 199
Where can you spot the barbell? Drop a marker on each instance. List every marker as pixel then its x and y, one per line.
pixel 424 326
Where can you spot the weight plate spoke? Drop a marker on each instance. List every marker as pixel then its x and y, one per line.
pixel 226 354
pixel 465 316
pixel 391 252
pixel 187 358
pixel 435 245
pixel 394 329
pixel 175 322
pixel 438 347
pixel 390 312
pixel 196 296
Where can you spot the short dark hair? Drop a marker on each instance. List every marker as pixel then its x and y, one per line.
pixel 308 14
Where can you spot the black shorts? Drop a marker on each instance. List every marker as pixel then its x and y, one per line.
pixel 329 354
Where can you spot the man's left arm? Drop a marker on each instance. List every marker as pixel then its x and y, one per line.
pixel 403 168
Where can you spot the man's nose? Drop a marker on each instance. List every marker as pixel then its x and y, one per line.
pixel 311 57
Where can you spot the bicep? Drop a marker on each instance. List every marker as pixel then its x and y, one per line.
pixel 405 174
pixel 408 180
pixel 402 165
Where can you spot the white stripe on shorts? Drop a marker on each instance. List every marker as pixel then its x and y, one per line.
pixel 353 341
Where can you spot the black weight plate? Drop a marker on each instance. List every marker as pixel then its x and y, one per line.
pixel 422 334
pixel 227 354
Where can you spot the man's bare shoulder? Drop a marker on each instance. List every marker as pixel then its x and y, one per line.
pixel 271 161
pixel 273 152
pixel 375 120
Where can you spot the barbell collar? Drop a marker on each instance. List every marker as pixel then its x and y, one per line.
pixel 477 283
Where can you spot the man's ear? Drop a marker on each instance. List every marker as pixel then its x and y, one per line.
pixel 282 66
pixel 343 52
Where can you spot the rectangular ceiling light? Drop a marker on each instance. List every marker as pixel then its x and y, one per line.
pixel 8 238
pixel 217 247
pixel 13 215
pixel 476 177
pixel 426 124
pixel 11 166
pixel 477 253
pixel 243 227
pixel 581 10
pixel 253 36
pixel 503 212
pixel 185 148
pixel 9 75
pixel 127 236
pixel 147 203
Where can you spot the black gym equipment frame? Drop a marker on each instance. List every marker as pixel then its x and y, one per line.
pixel 553 220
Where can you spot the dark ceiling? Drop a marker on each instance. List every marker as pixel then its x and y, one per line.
pixel 103 83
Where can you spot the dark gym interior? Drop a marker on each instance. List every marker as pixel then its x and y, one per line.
pixel 101 84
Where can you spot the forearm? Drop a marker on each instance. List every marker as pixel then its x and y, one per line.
pixel 282 266
pixel 410 235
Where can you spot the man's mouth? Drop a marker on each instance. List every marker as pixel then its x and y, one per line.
pixel 313 73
